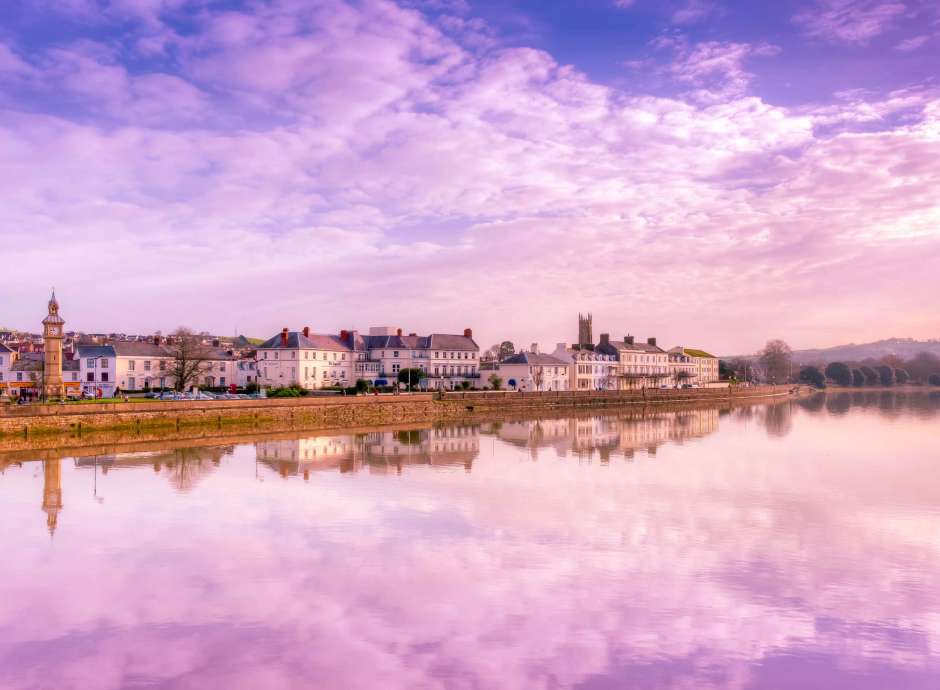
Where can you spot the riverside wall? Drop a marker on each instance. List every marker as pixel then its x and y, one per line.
pixel 341 412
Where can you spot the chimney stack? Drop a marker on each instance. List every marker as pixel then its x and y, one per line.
pixel 398 332
pixel 216 342
pixel 651 341
pixel 629 340
pixel 306 331
pixel 534 348
pixel 605 338
pixel 156 340
pixel 467 333
pixel 284 337
pixel 344 335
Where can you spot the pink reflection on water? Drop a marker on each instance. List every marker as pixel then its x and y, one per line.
pixel 794 546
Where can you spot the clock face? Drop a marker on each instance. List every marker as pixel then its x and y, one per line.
pixel 54 330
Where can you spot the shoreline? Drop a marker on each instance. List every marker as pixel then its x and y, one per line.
pixel 14 450
pixel 57 421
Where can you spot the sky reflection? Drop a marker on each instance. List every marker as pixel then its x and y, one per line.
pixel 796 545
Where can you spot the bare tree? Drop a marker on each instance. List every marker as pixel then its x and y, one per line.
pixel 538 377
pixel 190 358
pixel 776 360
pixel 681 375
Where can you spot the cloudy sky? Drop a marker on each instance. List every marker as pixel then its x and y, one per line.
pixel 711 172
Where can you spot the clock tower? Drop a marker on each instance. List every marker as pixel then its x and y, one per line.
pixel 52 387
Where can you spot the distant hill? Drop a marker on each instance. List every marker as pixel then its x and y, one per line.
pixel 905 348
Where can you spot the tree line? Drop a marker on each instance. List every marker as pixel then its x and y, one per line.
pixel 774 364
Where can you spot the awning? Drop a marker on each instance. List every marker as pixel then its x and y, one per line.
pixel 381 382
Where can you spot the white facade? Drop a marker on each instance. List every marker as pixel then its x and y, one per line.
pixel 531 371
pixel 589 370
pixel 146 365
pixel 639 365
pixel 97 370
pixel 304 359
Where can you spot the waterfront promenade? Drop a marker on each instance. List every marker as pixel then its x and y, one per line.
pixel 321 412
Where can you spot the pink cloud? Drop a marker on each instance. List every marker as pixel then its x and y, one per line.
pixel 357 141
pixel 849 21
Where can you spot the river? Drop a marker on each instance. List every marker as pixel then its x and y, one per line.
pixel 777 546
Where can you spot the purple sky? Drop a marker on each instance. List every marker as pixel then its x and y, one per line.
pixel 712 173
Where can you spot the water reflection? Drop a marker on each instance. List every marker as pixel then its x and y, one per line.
pixel 769 547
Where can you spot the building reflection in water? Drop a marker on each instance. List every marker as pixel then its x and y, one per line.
pixel 183 468
pixel 378 451
pixel 390 452
pixel 606 436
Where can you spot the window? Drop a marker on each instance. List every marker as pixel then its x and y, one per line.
pixel 344 357
pixel 90 363
pixel 146 365
pixel 19 376
pixel 221 380
pixel 293 354
pixel 306 354
pixel 395 353
pixel 131 383
pixel 162 364
pixel 221 366
pixel 265 355
pixel 275 355
pixel 91 376
pixel 104 377
pixel 131 365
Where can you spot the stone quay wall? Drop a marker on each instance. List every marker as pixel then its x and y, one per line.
pixel 337 412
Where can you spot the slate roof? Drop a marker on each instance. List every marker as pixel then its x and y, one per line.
pixel 297 340
pixel 536 358
pixel 435 341
pixel 616 346
pixel 85 351
pixel 139 348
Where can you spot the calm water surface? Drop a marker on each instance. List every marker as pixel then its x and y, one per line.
pixel 786 546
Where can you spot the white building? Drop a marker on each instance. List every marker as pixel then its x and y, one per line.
pixel 148 364
pixel 639 365
pixel 447 360
pixel 701 368
pixel 304 359
pixel 97 369
pixel 588 370
pixel 532 371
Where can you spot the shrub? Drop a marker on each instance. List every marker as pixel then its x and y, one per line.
pixel 812 376
pixel 858 378
pixel 871 376
pixel 840 373
pixel 901 376
pixel 885 375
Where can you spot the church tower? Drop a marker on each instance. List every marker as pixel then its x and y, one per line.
pixel 585 330
pixel 52 387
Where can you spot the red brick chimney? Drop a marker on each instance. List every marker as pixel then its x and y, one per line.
pixel 306 331
pixel 628 339
pixel 467 333
pixel 156 340
pixel 398 333
pixel 344 335
pixel 651 341
pixel 284 337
